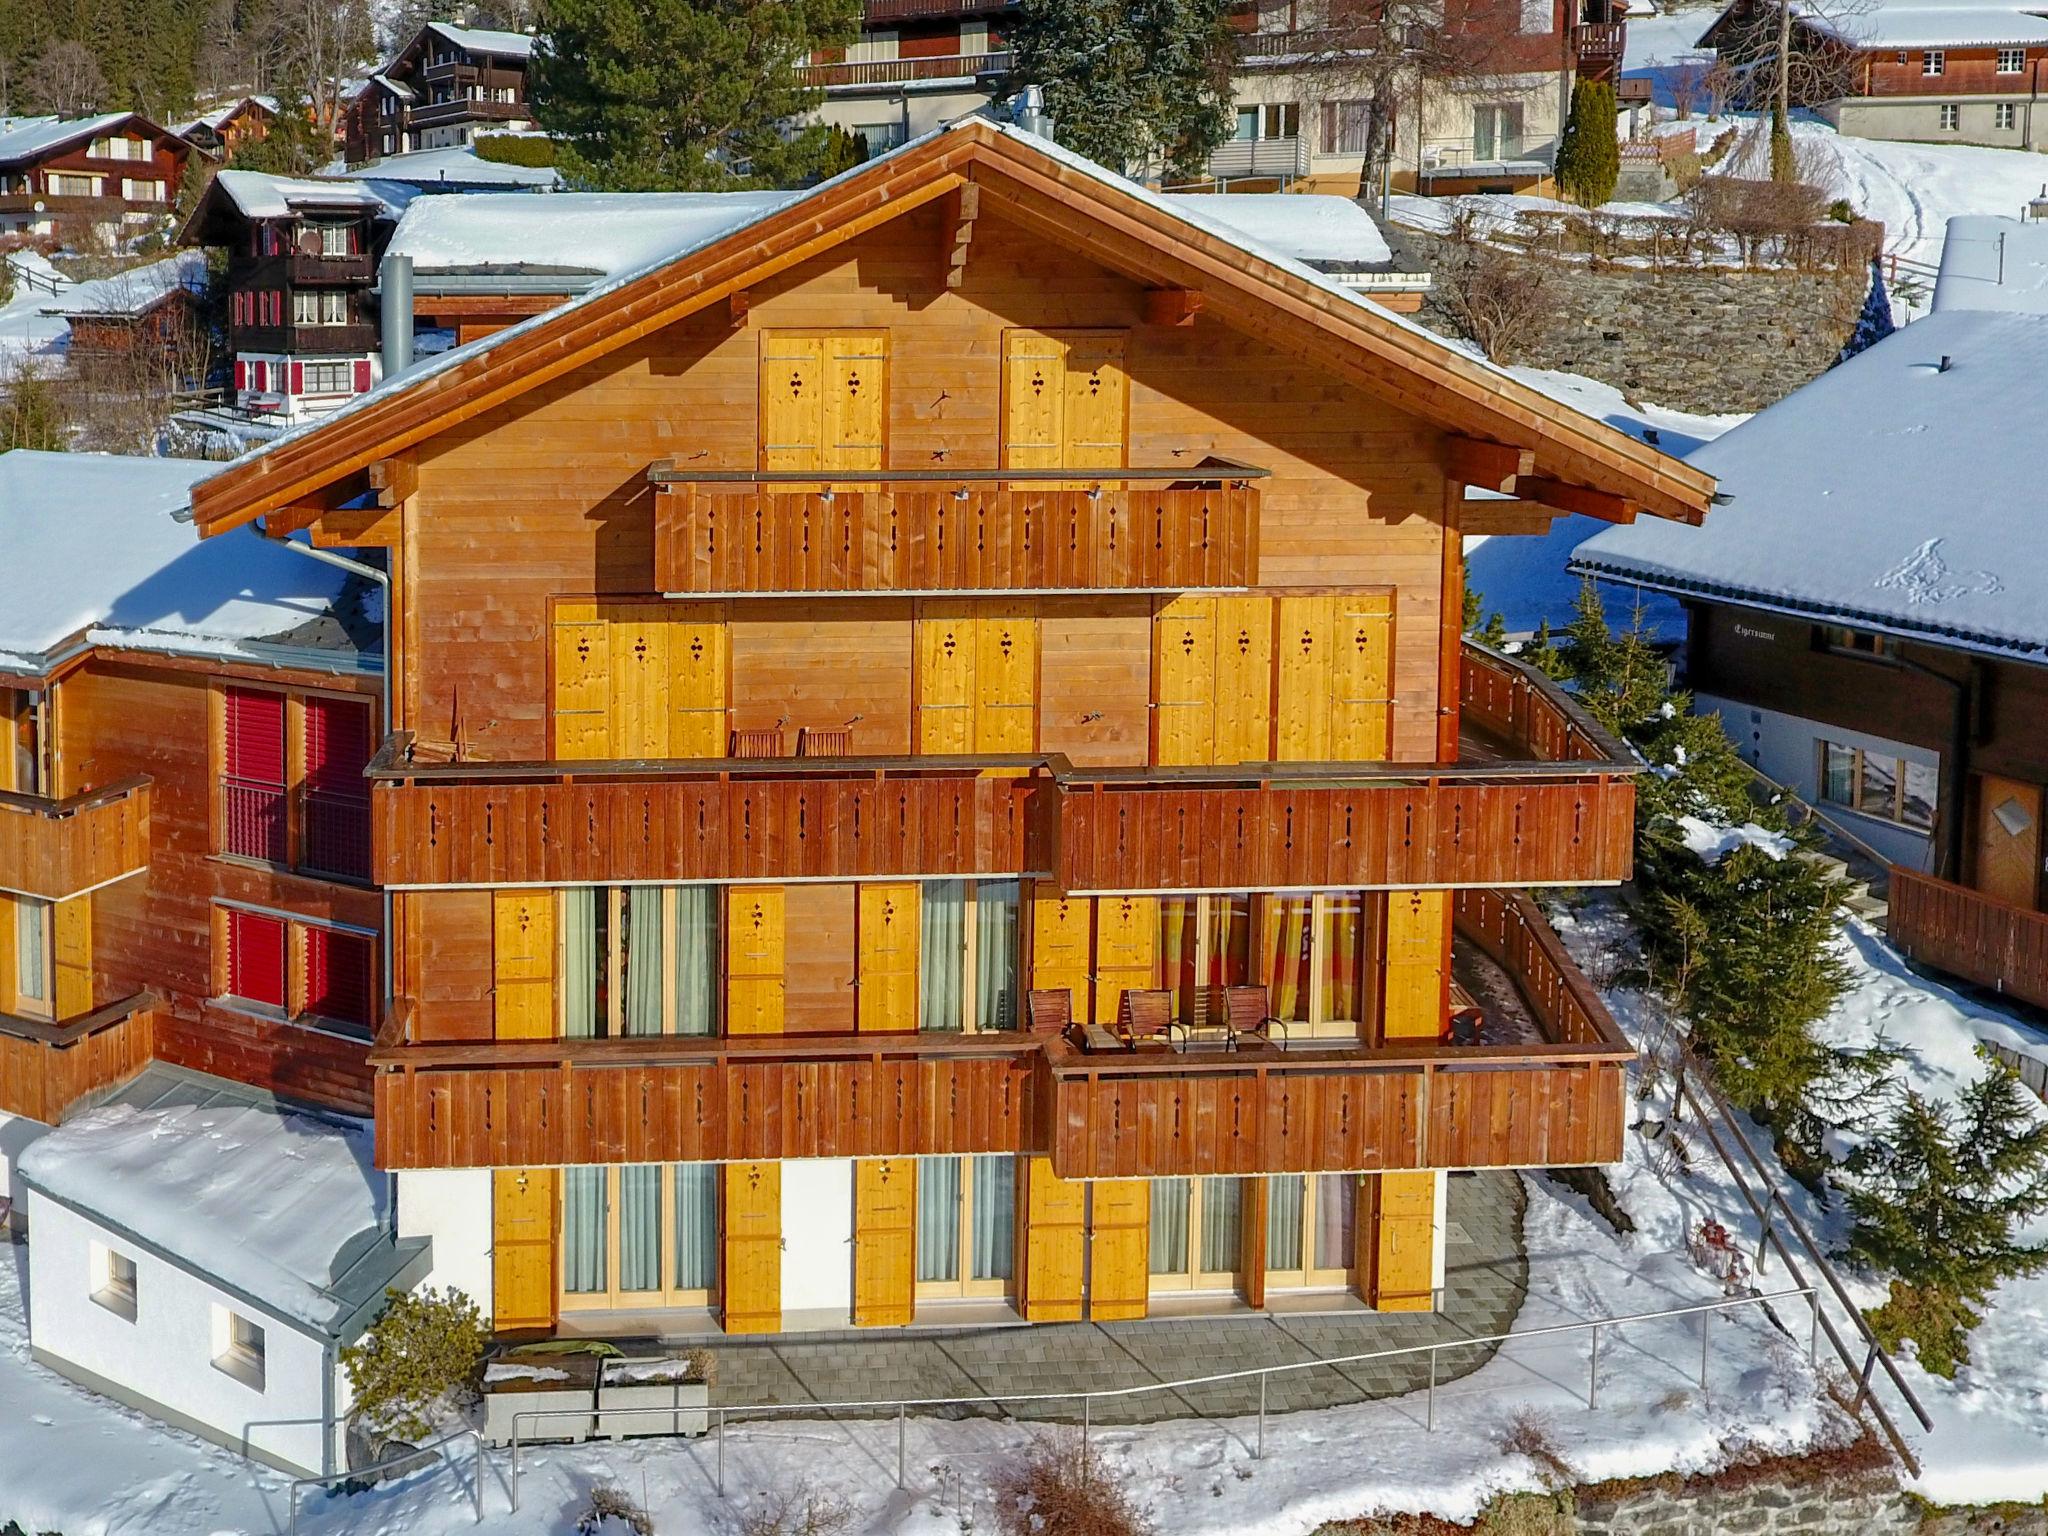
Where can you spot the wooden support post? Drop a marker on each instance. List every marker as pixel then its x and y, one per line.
pixel 1172 306
pixel 956 230
pixel 395 479
pixel 1490 466
pixel 736 308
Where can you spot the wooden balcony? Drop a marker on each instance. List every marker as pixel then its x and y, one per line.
pixel 54 849
pixel 852 75
pixel 1966 933
pixel 946 531
pixel 46 1068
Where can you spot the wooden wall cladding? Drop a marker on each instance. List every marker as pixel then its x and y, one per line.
pixel 1163 836
pixel 480 833
pixel 752 539
pixel 57 848
pixel 41 1081
pixel 1970 934
pixel 718 1104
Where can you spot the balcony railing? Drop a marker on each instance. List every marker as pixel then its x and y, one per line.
pixel 463 109
pixel 973 531
pixel 886 13
pixel 860 72
pixel 310 268
pixel 1969 934
pixel 1259 157
pixel 1600 42
pixel 53 849
pixel 45 1068
pixel 1256 48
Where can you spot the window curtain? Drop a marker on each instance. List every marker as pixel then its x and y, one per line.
pixel 995 954
pixel 1177 951
pixel 1287 952
pixel 938 1218
pixel 31 929
pixel 583 1235
pixel 1336 1213
pixel 1343 982
pixel 995 1215
pixel 1169 1226
pixel 942 959
pixel 1283 1221
pixel 581 963
pixel 1230 941
pixel 1222 1243
pixel 696 1226
pixel 640 1227
pixel 642 961
pixel 696 956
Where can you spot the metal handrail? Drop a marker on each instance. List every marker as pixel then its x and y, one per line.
pixel 594 1415
pixel 434 1448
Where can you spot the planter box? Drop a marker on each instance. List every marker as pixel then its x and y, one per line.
pixel 663 1407
pixel 557 1383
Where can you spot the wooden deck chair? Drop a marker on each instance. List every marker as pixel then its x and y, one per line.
pixel 768 743
pixel 1249 1016
pixel 1144 1018
pixel 828 741
pixel 1050 1010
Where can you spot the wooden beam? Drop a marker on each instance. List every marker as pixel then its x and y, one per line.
pixel 1490 466
pixel 1172 306
pixel 1507 517
pixel 1577 498
pixel 956 230
pixel 282 522
pixel 395 479
pixel 358 528
pixel 736 308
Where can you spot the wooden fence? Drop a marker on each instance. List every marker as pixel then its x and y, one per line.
pixel 1969 934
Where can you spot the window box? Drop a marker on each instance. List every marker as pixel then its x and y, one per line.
pixel 518 1382
pixel 669 1394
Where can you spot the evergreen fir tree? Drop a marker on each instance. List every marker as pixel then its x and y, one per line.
pixel 294 146
pixel 1875 322
pixel 1128 85
pixel 683 95
pixel 1487 628
pixel 1588 153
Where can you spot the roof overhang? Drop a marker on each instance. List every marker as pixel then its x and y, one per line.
pixel 1089 212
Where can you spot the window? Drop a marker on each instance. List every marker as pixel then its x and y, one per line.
pixel 238 1347
pixel 2005 116
pixel 318 823
pixel 320 306
pixel 113 1278
pixel 334 239
pixel 119 149
pixel 322 974
pixel 256 959
pixel 1951 117
pixel 254 818
pixel 1311 1230
pixel 1934 62
pixel 62 185
pixel 640 1234
pixel 639 960
pixel 341 976
pixel 325 378
pixel 1197 1233
pixel 141 191
pixel 1247 125
pixel 1879 784
pixel 2011 61
pixel 1347 127
pixel 1307 951
pixel 967 956
pixel 1280 120
pixel 966 1219
pixel 1497 131
pixel 1535 17
pixel 33 964
pixel 1854 642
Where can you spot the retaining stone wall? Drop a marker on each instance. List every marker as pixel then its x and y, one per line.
pixel 1864 1508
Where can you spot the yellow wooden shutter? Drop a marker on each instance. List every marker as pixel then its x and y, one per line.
pixel 792 402
pixel 1119 1244
pixel 751 1288
pixel 10 999
pixel 855 400
pixel 884 1241
pixel 754 960
pixel 1126 950
pixel 887 979
pixel 698 670
pixel 71 946
pixel 1034 396
pixel 1093 430
pixel 583 685
pixel 1404 1241
pixel 1362 678
pixel 1051 1226
pixel 946 635
pixel 639 706
pixel 1184 681
pixel 1302 635
pixel 523 1248
pixel 1415 959
pixel 1005 676
pixel 1244 680
pixel 1059 945
pixel 523 964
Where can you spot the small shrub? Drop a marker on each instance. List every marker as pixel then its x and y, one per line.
pixel 611 1513
pixel 418 1362
pixel 800 1511
pixel 1498 300
pixel 1060 1488
pixel 1527 1435
pixel 530 149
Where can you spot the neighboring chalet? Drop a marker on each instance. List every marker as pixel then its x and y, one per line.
pixel 184 835
pixel 1865 614
pixel 156 308
pixel 933 770
pixel 226 129
pixel 1914 69
pixel 439 91
pixel 113 173
pixel 302 260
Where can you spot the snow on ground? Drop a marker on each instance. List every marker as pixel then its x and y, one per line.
pixel 1665 36
pixel 25 331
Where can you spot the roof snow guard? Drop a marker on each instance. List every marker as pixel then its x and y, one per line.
pixel 1166 242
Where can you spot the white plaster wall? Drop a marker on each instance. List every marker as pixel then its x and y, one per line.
pixel 165 1355
pixel 817 1243
pixel 452 1206
pixel 1439 1229
pixel 1919 117
pixel 1787 748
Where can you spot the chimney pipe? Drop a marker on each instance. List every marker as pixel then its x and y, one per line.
pixel 394 282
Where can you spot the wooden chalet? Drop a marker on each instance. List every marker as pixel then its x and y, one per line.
pixel 157 308
pixel 111 172
pixel 229 127
pixel 446 85
pixel 933 765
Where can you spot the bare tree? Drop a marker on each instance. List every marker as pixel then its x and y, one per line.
pixel 65 78
pixel 1788 60
pixel 314 47
pixel 1686 80
pixel 122 396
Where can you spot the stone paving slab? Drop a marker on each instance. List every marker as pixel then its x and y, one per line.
pixel 1486 1273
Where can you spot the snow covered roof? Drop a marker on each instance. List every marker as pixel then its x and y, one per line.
pixel 1938 23
pixel 1993 263
pixel 260 196
pixel 220 115
pixel 481 40
pixel 570 235
pixel 397 88
pixel 1898 492
pixel 1309 227
pixel 24 138
pixel 452 167
pixel 281 1207
pixel 94 552
pixel 133 292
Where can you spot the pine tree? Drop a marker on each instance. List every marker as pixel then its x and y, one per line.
pixel 683 95
pixel 1936 1197
pixel 1487 628
pixel 1875 322
pixel 1588 153
pixel 1129 85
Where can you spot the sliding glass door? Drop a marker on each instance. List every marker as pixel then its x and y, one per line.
pixel 966 1219
pixel 639 1235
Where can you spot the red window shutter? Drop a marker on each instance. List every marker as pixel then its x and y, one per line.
pixel 241 374
pixel 252 785
pixel 339 984
pixel 256 958
pixel 262 373
pixel 298 378
pixel 362 375
pixel 338 744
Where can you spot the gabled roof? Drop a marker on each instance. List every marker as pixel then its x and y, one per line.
pixel 236 194
pixel 516 45
pixel 135 291
pixel 31 138
pixel 1992 263
pixel 1915 23
pixel 1892 493
pixel 454 167
pixel 220 117
pixel 1054 192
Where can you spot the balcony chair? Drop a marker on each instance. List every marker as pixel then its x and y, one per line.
pixel 770 743
pixel 828 741
pixel 1050 1010
pixel 1466 1026
pixel 1247 1014
pixel 1144 1020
